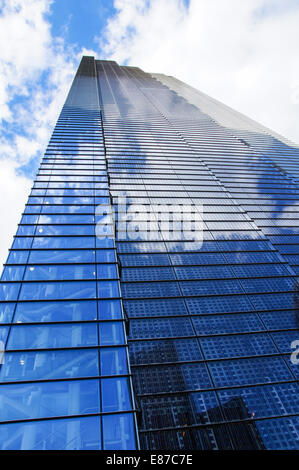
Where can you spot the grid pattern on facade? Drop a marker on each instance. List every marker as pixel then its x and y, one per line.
pixel 106 328
pixel 210 324
pixel 65 380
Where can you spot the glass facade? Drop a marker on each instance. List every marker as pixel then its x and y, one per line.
pixel 125 335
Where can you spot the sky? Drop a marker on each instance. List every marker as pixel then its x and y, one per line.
pixel 243 53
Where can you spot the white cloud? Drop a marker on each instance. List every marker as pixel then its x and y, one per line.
pixel 36 73
pixel 244 53
pixel 13 194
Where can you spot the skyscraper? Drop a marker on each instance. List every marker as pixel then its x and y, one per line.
pixel 149 299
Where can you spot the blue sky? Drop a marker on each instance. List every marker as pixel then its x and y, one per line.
pixel 80 25
pixel 243 53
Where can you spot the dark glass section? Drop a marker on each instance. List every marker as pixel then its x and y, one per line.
pixel 150 298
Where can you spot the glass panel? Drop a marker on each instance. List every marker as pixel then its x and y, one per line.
pixel 107 271
pixel 6 312
pixel 108 289
pixel 109 309
pixel 115 394
pixel 62 256
pixel 39 400
pixel 17 257
pixel 52 336
pixel 111 333
pixel 58 290
pixel 39 365
pixel 62 434
pixel 9 291
pixel 55 311
pixel 113 361
pixel 118 432
pixel 63 242
pixel 61 272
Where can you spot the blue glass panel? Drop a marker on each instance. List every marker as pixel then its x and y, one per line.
pixel 151 289
pixel 62 434
pixel 62 256
pixel 17 257
pixel 237 345
pixel 284 339
pixel 160 327
pixel 109 309
pixel 6 312
pixel 107 271
pixel 113 361
pixel 22 242
pixel 26 230
pixel 58 290
pixel 49 365
pixel 31 210
pixel 35 200
pixel 118 432
pixel 115 394
pixel 180 409
pixel 219 304
pixel 281 319
pixel 63 209
pixel 282 433
pixel 264 401
pixel 249 371
pixel 102 200
pixel 171 378
pixel 64 230
pixel 105 256
pixel 52 336
pixel 9 291
pixel 60 272
pixel 64 219
pixel 108 289
pixel 272 301
pixel 104 242
pixel 170 350
pixel 63 242
pixel 29 219
pixel 55 311
pixel 155 307
pixel 3 335
pixel 12 273
pixel 39 400
pixel 209 324
pixel 111 333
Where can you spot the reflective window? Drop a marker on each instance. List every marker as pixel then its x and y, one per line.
pixel 113 361
pixel 111 333
pixel 55 311
pixel 6 312
pixel 12 273
pixel 9 291
pixel 115 394
pixel 43 399
pixel 108 289
pixel 60 290
pixel 109 309
pixel 61 434
pixel 118 432
pixel 52 336
pixel 62 256
pixel 60 272
pixel 39 365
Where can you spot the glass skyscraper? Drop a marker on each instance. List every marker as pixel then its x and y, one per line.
pixel 118 329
